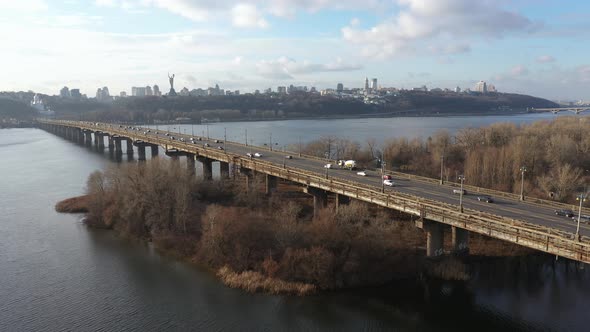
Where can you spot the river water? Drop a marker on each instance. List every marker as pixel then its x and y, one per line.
pixel 58 275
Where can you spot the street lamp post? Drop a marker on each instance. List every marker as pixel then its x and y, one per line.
pixel 382 174
pixel 522 170
pixel 270 142
pixel 462 178
pixel 442 163
pixel 582 198
pixel 326 154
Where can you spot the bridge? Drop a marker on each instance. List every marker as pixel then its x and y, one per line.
pixel 555 110
pixel 530 223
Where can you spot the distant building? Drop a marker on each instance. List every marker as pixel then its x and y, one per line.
pixel 374 84
pixel 457 89
pixel 157 91
pixel 75 93
pixel 268 91
pixel 103 94
pixel 366 83
pixel 148 91
pixel 481 87
pixel 491 88
pixel 282 90
pixel 256 92
pixel 64 92
pixel 339 87
pixel 123 94
pixel 138 91
pixel 237 92
pixel 184 92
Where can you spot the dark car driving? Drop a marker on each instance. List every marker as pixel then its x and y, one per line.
pixel 565 213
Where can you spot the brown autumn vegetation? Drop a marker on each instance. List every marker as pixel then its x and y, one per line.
pixel 556 154
pixel 74 205
pixel 248 237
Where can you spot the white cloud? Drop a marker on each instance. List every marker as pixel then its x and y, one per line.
pixel 285 68
pixel 247 16
pixel 545 59
pixel 23 5
pixel 519 70
pixel 421 22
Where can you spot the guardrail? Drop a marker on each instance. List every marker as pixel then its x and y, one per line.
pixel 530 235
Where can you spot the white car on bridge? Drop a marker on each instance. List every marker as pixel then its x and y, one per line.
pixel 328 166
pixel 257 155
pixel 361 173
pixel 388 183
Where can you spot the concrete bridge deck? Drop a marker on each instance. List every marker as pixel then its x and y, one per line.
pixel 531 224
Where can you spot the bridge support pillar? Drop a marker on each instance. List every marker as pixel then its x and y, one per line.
pixel 207 167
pixel 154 150
pixel 224 170
pixel 100 140
pixel 111 143
pixel 341 200
pixel 459 240
pixel 96 135
pixel 118 148
pixel 270 184
pixel 79 136
pixel 129 146
pixel 320 199
pixel 141 152
pixel 88 138
pixel 434 239
pixel 190 164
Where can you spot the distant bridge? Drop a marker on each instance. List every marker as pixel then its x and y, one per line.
pixel 531 224
pixel 555 110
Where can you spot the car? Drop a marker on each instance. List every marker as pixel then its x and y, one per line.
pixel 361 173
pixel 172 138
pixel 328 166
pixel 206 145
pixel 257 155
pixel 288 157
pixel 388 182
pixel 200 139
pixel 157 132
pixel 583 218
pixel 565 212
pixel 182 139
pixel 217 141
pixel 459 191
pixel 249 154
pixel 485 198
pixel 220 147
pixel 167 134
pixel 149 131
pixel 387 177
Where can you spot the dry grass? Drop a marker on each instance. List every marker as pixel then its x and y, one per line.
pixel 256 282
pixel 74 205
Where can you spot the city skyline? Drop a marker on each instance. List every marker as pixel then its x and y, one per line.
pixel 523 46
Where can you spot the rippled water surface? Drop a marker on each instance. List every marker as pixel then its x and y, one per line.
pixel 55 274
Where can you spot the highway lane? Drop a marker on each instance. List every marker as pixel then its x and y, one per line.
pixel 503 207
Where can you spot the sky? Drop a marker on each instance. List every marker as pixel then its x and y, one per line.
pixel 536 47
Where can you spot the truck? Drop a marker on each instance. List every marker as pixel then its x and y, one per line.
pixel 347 164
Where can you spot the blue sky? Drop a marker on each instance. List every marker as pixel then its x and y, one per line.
pixel 534 47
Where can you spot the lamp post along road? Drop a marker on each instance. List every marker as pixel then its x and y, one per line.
pixel 582 198
pixel 522 170
pixel 382 176
pixel 462 178
pixel 442 162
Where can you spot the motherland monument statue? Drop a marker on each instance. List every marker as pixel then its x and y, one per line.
pixel 171 79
